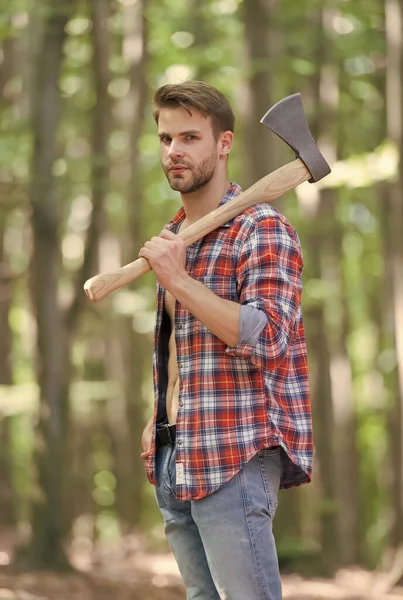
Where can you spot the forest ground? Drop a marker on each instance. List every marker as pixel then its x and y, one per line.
pixel 129 570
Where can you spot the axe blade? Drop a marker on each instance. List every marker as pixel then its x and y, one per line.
pixel 287 120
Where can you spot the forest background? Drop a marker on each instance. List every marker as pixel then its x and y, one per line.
pixel 81 189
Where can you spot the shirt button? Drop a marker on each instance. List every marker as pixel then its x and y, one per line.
pixel 179 326
pixel 181 404
pixel 180 365
pixel 179 442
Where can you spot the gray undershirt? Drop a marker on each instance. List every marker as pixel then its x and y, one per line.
pixel 251 323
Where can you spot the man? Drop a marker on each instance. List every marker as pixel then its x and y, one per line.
pixel 232 422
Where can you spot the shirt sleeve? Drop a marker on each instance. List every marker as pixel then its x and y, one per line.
pixel 268 277
pixel 251 322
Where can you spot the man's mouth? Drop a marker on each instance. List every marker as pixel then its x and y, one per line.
pixel 177 169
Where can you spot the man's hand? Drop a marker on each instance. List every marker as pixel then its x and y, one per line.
pixel 167 257
pixel 146 439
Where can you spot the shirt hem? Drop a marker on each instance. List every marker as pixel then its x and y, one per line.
pixel 304 478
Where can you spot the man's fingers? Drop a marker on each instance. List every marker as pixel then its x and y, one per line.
pixel 168 235
pixel 154 243
pixel 158 245
pixel 171 237
pixel 149 249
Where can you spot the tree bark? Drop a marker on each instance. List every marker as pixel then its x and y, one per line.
pixel 101 119
pixel 317 326
pixel 101 128
pixel 7 66
pixel 201 27
pixel 46 546
pixel 8 511
pixel 346 459
pixel 260 40
pixel 322 412
pixel 387 343
pixel 393 245
pixel 134 346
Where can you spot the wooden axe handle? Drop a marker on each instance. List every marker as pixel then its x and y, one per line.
pixel 266 189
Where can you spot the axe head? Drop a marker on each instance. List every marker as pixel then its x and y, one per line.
pixel 287 120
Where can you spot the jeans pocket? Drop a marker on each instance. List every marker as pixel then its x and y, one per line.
pixel 270 470
pixel 270 451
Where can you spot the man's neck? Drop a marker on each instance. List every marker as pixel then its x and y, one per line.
pixel 203 201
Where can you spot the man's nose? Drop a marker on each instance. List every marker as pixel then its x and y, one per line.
pixel 175 149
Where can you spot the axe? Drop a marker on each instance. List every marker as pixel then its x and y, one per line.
pixel 287 120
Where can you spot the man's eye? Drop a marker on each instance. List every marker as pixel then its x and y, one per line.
pixel 165 139
pixel 191 137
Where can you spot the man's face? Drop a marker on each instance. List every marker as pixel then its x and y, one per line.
pixel 188 149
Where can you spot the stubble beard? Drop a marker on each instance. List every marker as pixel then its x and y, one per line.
pixel 200 176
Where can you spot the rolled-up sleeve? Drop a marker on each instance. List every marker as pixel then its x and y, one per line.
pixel 268 274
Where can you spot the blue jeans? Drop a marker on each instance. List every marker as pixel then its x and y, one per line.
pixel 224 543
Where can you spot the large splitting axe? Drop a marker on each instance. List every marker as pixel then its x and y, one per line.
pixel 287 120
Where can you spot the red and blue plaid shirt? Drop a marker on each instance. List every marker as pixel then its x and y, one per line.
pixel 235 401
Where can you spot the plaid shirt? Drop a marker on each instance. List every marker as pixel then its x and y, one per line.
pixel 235 401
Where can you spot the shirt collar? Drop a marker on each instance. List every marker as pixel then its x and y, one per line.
pixel 232 192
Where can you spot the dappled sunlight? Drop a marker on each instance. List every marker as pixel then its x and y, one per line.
pixel 364 170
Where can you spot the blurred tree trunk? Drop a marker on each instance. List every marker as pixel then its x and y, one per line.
pixel 7 496
pixel 7 68
pixel 55 327
pixel 261 54
pixel 7 71
pixel 8 516
pixel 389 368
pixel 8 500
pixel 101 128
pixel 322 413
pixel 135 355
pixel 324 86
pixel 202 28
pixel 346 457
pixel 393 244
pixel 100 168
pixel 46 545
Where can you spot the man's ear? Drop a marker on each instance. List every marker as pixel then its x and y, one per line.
pixel 225 142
